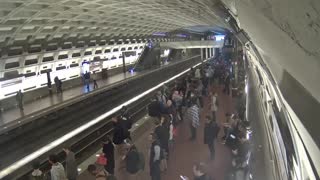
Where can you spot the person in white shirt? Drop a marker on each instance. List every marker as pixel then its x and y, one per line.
pixel 214 104
pixel 57 170
pixel 197 74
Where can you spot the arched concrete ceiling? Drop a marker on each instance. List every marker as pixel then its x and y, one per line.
pixel 32 20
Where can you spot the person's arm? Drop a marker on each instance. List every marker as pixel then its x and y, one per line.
pixel 156 153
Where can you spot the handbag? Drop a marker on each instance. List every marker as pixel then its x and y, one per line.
pixel 102 160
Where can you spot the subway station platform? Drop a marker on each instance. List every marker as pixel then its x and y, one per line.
pixel 14 116
pixel 185 152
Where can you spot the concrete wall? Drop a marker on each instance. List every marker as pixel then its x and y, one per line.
pixel 286 32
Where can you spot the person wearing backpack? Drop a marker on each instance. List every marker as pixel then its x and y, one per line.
pixel 211 131
pixel 132 161
pixel 155 158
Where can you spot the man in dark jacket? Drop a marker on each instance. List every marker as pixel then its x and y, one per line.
pixel 162 133
pixel 71 164
pixel 118 131
pixel 155 157
pixel 154 108
pixel 211 131
pixel 108 150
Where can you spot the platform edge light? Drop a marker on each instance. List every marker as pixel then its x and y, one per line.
pixel 27 159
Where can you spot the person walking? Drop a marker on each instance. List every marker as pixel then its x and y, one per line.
pixel 154 160
pixel 71 164
pixel 57 170
pixel 211 131
pixel 214 104
pixel 193 117
pixel 94 78
pixel 19 98
pixel 87 80
pixel 108 150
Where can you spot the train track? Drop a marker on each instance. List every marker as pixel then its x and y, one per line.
pixel 64 120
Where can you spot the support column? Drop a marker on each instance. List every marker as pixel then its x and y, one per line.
pixel 201 53
pixel 124 69
pixel 207 55
pixel 213 53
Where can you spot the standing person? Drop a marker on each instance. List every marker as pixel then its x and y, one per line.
pixel 108 150
pixel 177 98
pixel 193 117
pixel 87 79
pixel 19 98
pixel 57 170
pixel 132 163
pixel 214 104
pixel 211 131
pixel 227 84
pixel 94 77
pixel 154 160
pixel 71 164
pixel 197 74
pixel 120 133
pixel 162 132
pixel 58 83
pixel 125 117
pixel 36 173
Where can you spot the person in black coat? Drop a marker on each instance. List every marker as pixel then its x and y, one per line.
pixel 162 132
pixel 211 131
pixel 108 150
pixel 118 131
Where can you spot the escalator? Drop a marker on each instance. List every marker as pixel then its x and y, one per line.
pixel 149 58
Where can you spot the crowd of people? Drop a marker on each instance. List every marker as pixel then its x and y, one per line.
pixel 174 104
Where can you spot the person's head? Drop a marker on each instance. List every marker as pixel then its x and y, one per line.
pixel 169 103
pixel 243 139
pixel 36 165
pixel 215 94
pixel 53 159
pixel 124 108
pixel 92 169
pixel 193 101
pixel 66 149
pixel 107 139
pixel 198 169
pixel 114 120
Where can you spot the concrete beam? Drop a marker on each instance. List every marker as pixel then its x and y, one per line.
pixel 191 44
